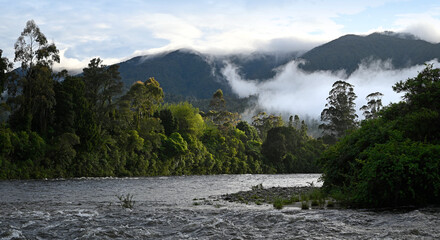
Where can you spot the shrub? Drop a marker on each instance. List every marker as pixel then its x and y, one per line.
pixel 126 201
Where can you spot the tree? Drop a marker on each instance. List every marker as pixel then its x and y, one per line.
pixel 33 93
pixel 102 83
pixel 250 131
pixel 5 68
pixel 218 113
pixel 374 105
pixel 32 48
pixel 422 90
pixel 391 160
pixel 168 121
pixel 263 123
pixel 339 116
pixel 288 150
pixel 142 100
pixel 217 102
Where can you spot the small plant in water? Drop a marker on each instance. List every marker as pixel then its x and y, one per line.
pixel 126 201
pixel 305 205
pixel 278 203
pixel 294 199
pixel 258 187
pixel 330 204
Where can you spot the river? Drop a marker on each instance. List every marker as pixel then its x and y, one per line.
pixel 188 207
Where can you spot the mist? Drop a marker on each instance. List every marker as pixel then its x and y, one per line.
pixel 293 91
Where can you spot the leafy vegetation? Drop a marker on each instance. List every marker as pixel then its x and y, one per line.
pixel 61 126
pixel 126 201
pixel 392 160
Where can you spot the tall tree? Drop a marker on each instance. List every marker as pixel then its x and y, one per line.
pixel 102 83
pixel 32 48
pixel 339 114
pixel 218 113
pixel 33 93
pixel 373 106
pixel 263 123
pixel 5 68
pixel 141 101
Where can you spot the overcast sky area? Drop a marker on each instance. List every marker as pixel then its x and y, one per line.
pixel 117 30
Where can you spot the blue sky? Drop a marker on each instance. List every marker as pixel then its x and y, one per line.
pixel 117 30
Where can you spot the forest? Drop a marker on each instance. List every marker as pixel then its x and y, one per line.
pixel 56 125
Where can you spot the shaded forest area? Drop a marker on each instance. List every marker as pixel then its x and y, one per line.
pixel 56 125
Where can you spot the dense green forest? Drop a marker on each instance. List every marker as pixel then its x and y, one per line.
pixel 393 158
pixel 56 125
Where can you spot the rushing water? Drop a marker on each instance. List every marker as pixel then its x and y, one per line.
pixel 187 208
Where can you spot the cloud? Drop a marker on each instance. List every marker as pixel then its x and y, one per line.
pixel 424 25
pixel 119 29
pixel 75 66
pixel 293 91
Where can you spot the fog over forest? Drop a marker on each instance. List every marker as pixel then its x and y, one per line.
pixel 294 91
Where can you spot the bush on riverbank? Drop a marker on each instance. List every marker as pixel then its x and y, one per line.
pixel 393 160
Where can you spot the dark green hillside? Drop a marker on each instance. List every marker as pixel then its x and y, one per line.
pixel 348 51
pixel 260 66
pixel 179 72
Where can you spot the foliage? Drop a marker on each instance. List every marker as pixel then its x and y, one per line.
pixel 32 94
pixel 82 126
pixel 264 122
pixel 291 150
pixel 32 48
pixel 126 201
pixel 339 116
pixel 102 84
pixel 392 160
pixel 374 105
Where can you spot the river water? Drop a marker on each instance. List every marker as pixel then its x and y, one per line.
pixel 188 207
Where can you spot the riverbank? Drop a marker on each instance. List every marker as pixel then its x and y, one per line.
pixel 302 197
pixel 259 194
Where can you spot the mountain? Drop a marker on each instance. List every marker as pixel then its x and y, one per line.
pixel 347 52
pixel 191 74
pixel 180 72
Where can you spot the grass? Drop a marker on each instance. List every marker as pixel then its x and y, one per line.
pixel 305 205
pixel 313 198
pixel 278 203
pixel 126 201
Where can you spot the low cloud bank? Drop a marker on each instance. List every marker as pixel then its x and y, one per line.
pixel 293 91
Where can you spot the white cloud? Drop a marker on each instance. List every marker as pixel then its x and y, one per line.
pixel 293 91
pixel 422 24
pixel 123 28
pixel 75 66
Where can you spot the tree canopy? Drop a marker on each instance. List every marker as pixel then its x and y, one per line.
pixel 392 160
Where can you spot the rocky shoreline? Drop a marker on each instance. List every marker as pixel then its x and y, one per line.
pixel 259 195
